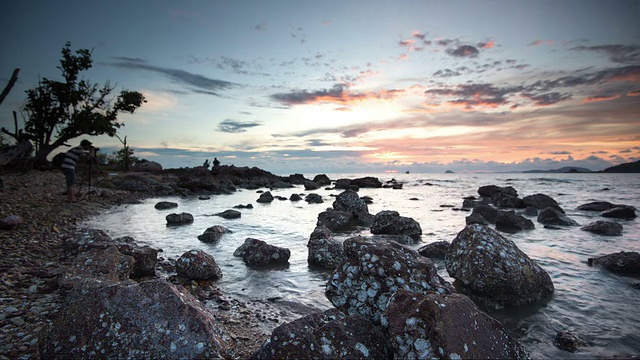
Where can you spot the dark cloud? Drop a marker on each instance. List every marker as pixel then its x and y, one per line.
pixel 548 98
pixel 201 83
pixel 624 54
pixel 464 51
pixel 233 126
pixel 445 73
pixel 625 73
pixel 304 96
pixel 445 42
pixel 560 153
pixel 477 94
pixel 625 151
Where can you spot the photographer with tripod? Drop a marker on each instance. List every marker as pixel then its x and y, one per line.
pixel 69 165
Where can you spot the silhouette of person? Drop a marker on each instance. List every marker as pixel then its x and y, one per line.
pixel 216 163
pixel 206 164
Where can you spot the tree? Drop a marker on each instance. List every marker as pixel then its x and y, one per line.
pixel 59 111
pixel 124 158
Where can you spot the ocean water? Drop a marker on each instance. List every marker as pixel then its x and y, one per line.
pixel 600 307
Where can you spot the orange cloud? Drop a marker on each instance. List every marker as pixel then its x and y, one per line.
pixel 542 42
pixel 634 93
pixel 598 98
pixel 487 45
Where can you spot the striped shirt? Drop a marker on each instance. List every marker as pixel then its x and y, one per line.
pixel 72 156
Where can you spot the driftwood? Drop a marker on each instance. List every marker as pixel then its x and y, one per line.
pixel 7 88
pixel 11 153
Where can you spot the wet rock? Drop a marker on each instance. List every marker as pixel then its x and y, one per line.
pixel 551 216
pixel 541 201
pixel 322 179
pixel 256 252
pixel 350 201
pixel 213 234
pixel 324 250
pixel 489 190
pixel 568 341
pixel 179 219
pixel 146 166
pixel 445 326
pixel 391 223
pixel 601 227
pixel 510 222
pixel 295 197
pixel 620 212
pixel 198 265
pixel 265 198
pixel 596 206
pixel 313 199
pixel 530 211
pixel 400 239
pixel 345 184
pixel 163 205
pixel 327 335
pixel 11 222
pixel 373 271
pixel 435 250
pixel 337 220
pixel 248 206
pixel 489 213
pixel 505 199
pixel 103 264
pixel 623 263
pixel 152 319
pixel 310 185
pixel 229 214
pixel 204 197
pixel 493 270
pixel 367 182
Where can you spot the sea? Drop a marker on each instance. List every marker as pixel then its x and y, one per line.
pixel 599 307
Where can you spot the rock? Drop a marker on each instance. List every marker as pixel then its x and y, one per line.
pixel 179 219
pixel 163 205
pixel 510 222
pixel 198 265
pixel 297 179
pixel 374 271
pixel 551 216
pixel 445 326
pixel 256 252
pixel 11 222
pixel 265 198
pixel 505 199
pixel 476 219
pixel 488 190
pixel 313 199
pixel 493 270
pixel 623 263
pixel 327 335
pixel 295 197
pixel 324 251
pixel 400 239
pixel 322 179
pixel 435 250
pixel 568 341
pixel 248 206
pixel 620 212
pixel 597 206
pixel 601 227
pixel 530 211
pixel 310 185
pixel 102 264
pixel 337 220
pixel 487 212
pixel 367 182
pixel 350 201
pixel 391 223
pixel 204 197
pixel 213 234
pixel 146 166
pixel 229 214
pixel 541 201
pixel 152 319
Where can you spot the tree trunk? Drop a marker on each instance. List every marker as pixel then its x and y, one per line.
pixel 7 88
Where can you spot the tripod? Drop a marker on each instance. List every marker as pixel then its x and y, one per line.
pixel 87 175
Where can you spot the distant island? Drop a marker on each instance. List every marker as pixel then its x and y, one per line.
pixel 449 172
pixel 633 167
pixel 566 169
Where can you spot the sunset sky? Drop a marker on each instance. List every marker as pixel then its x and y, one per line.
pixel 351 86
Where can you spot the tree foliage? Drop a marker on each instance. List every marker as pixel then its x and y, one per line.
pixel 59 111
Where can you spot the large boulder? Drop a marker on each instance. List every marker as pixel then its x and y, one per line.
pixel 337 220
pixel 391 223
pixel 164 205
pixel 435 250
pixel 510 222
pixel 489 190
pixel 367 182
pixel 229 214
pixel 127 320
pixel 597 206
pixel 541 201
pixel 179 219
pixel 552 216
pixel 198 265
pixel 623 263
pixel 310 185
pixel 265 198
pixel 445 326
pixel 313 198
pixel 606 228
pixel 147 166
pixel 493 270
pixel 324 250
pixel 620 212
pixel 489 213
pixel 103 264
pixel 505 199
pixel 350 201
pixel 327 335
pixel 373 271
pixel 322 179
pixel 213 234
pixel 256 252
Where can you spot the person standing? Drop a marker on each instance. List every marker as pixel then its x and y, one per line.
pixel 69 166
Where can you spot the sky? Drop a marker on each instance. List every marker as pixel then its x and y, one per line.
pixel 350 86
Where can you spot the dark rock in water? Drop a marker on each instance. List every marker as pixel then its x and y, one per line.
pixel 373 271
pixel 551 216
pixel 256 252
pixel 439 326
pixel 476 219
pixel 510 222
pixel 391 223
pixel 435 250
pixel 229 214
pixel 620 212
pixel 601 227
pixel 494 271
pixel 350 201
pixel 530 211
pixel 507 200
pixel 179 219
pixel 337 220
pixel 204 198
pixel 345 184
pixel 11 222
pixel 213 234
pixel 295 197
pixel 568 341
pixel 367 182
pixel 322 179
pixel 414 199
pixel 552 227
pixel 489 190
pixel 324 251
pixel 597 206
pixel 400 239
pixel 541 201
pixel 248 206
pixel 265 198
pixel 120 320
pixel 297 179
pixel 327 335
pixel 313 199
pixel 489 213
pixel 623 263
pixel 281 198
pixel 310 185
pixel 198 265
pixel 367 200
pixel 163 205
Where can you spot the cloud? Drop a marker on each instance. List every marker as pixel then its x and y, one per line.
pixel 541 42
pixel 548 98
pixel 559 153
pixel 337 94
pixel 464 51
pixel 261 27
pixel 233 126
pixel 486 45
pixel 477 94
pixel 445 73
pixel 202 83
pixel 633 93
pixel 597 98
pixel 624 54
